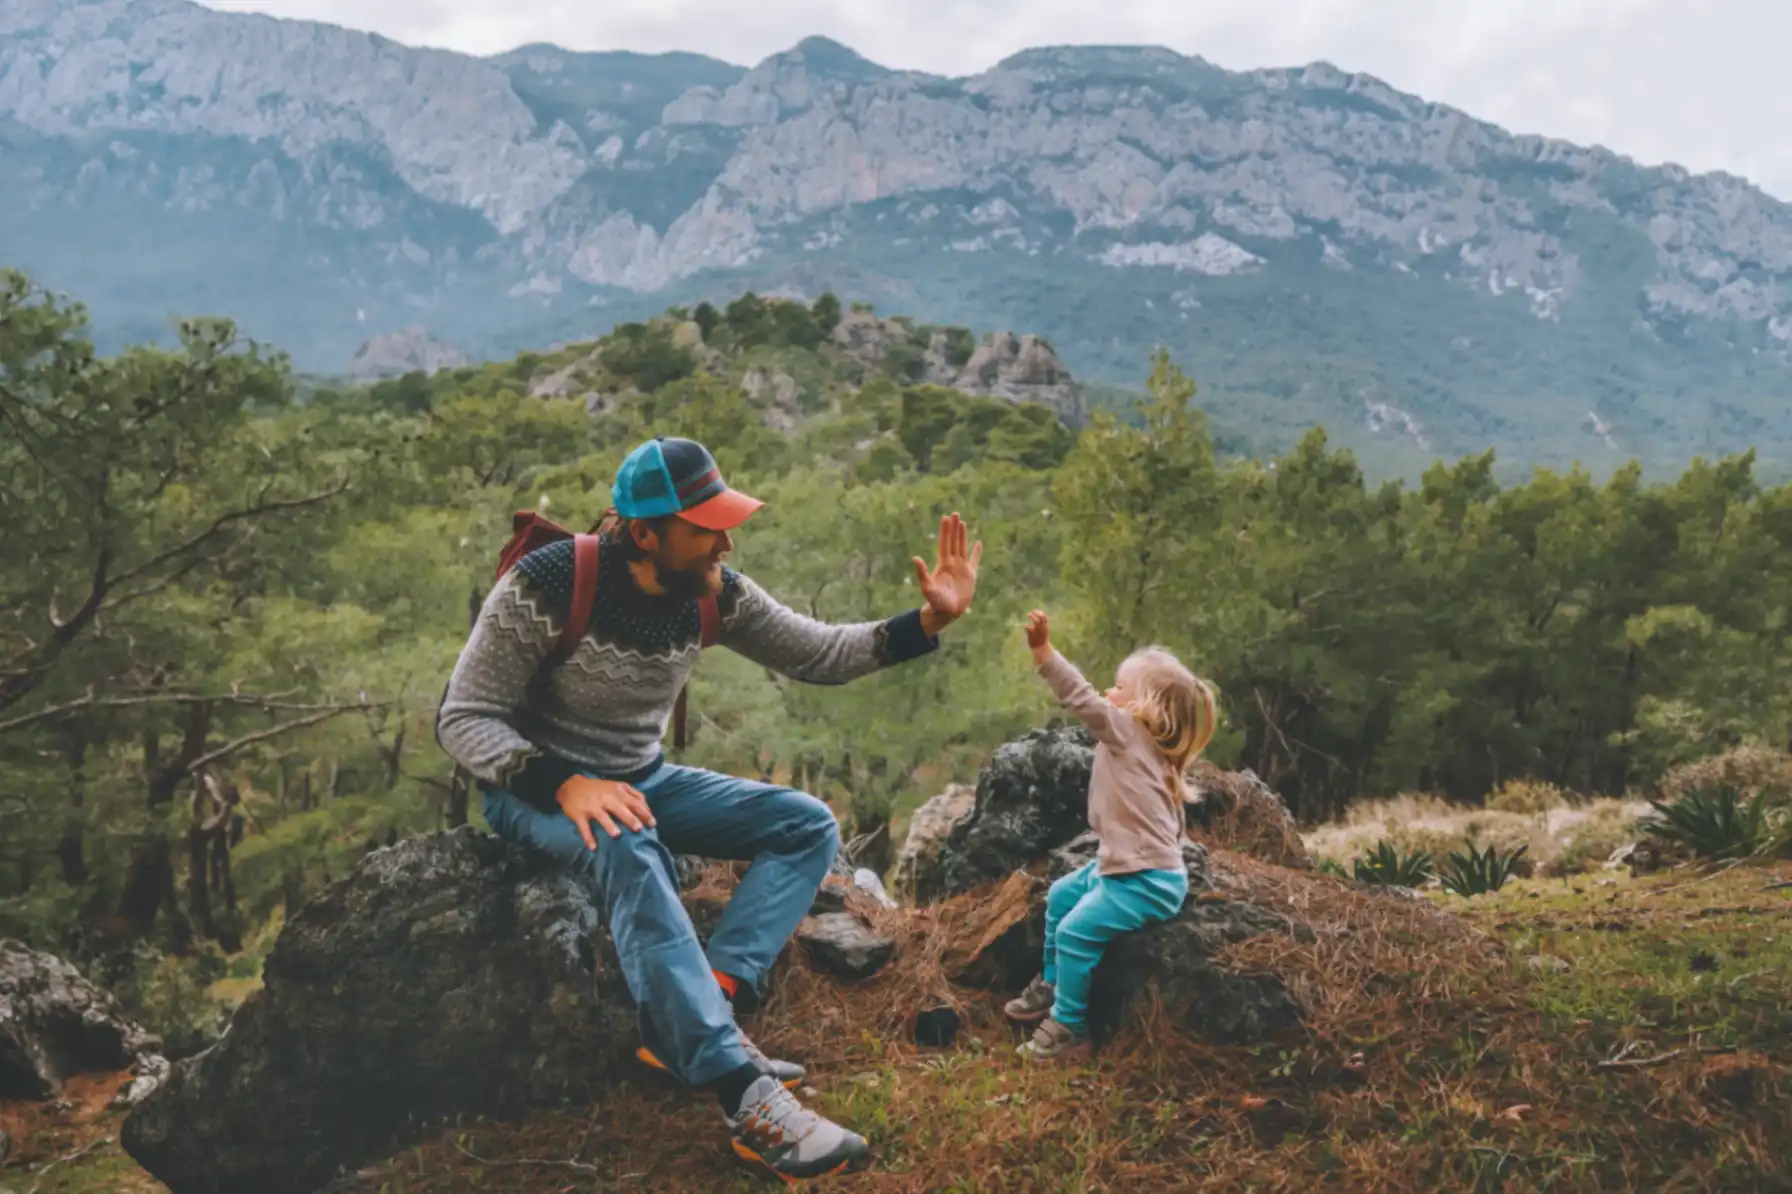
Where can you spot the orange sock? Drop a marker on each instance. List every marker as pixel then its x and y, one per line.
pixel 729 984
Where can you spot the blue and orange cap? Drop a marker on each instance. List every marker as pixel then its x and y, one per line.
pixel 668 475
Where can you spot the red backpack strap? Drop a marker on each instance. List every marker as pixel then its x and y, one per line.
pixel 584 594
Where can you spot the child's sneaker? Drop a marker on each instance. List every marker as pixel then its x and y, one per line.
pixel 1053 1041
pixel 1032 1004
pixel 774 1130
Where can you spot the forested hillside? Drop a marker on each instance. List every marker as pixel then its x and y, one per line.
pixel 230 604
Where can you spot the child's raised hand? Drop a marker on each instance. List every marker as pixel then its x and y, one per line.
pixel 1039 632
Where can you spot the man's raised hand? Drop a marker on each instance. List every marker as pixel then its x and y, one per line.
pixel 951 584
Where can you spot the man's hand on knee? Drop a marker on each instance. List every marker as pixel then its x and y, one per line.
pixel 605 801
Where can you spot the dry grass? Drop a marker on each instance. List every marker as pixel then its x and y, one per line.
pixel 1434 1059
pixel 1247 817
pixel 1566 838
pixel 1437 1056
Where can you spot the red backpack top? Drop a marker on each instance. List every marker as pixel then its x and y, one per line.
pixel 528 531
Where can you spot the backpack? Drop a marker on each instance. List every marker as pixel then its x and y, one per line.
pixel 528 531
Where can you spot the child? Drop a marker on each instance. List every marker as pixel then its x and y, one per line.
pixel 1151 724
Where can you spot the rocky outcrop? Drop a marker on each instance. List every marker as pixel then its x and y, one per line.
pixel 448 975
pixel 411 351
pixel 1024 369
pixel 54 1025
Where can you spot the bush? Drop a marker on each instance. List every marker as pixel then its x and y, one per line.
pixel 171 997
pixel 1751 770
pixel 1528 796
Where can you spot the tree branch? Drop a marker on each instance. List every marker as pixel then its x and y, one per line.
pixel 51 712
pixel 225 520
pixel 285 727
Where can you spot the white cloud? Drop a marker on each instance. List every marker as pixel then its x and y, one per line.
pixel 1697 82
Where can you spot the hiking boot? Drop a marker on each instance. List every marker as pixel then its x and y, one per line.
pixel 1053 1041
pixel 772 1129
pixel 1032 1004
pixel 787 1072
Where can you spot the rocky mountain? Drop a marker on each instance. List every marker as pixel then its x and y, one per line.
pixel 1313 245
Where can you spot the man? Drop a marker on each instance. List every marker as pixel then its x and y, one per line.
pixel 579 748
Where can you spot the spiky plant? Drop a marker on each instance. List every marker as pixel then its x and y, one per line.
pixel 1390 867
pixel 1712 822
pixel 1473 872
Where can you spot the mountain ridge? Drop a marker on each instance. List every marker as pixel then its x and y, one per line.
pixel 1379 248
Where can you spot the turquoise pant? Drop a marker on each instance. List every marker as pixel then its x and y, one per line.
pixel 1084 912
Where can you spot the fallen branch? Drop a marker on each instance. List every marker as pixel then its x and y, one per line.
pixel 567 1163
pixel 92 1147
pixel 1624 1062
pixel 1778 886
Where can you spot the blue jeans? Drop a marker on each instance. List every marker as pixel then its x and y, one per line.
pixel 1083 912
pixel 789 837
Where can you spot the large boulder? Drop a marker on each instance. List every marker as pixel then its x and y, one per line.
pixel 1176 960
pixel 54 1024
pixel 1032 798
pixel 1001 932
pixel 448 975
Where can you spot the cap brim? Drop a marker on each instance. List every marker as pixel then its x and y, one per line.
pixel 723 512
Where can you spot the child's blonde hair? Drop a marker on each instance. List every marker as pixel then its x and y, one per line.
pixel 1175 705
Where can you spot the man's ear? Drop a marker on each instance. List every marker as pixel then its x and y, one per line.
pixel 646 537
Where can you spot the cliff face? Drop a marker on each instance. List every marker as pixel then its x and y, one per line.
pixel 378 185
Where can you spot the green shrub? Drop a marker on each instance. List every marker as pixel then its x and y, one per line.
pixel 1712 822
pixel 1475 871
pixel 1387 866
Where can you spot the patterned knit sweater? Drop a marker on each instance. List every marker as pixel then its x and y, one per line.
pixel 606 708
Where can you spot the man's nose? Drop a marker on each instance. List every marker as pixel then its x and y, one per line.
pixel 726 543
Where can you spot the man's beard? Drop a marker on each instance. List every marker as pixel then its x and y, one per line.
pixel 685 584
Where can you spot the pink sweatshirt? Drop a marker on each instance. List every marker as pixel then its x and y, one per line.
pixel 1133 806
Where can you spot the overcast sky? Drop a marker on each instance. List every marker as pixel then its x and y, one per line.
pixel 1698 82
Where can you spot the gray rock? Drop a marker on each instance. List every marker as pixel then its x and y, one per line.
pixel 1030 799
pixel 5 1148
pixel 928 829
pixel 866 880
pixel 448 975
pixel 842 943
pixel 54 1024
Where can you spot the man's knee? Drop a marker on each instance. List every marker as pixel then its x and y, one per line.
pixel 809 825
pixel 633 855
